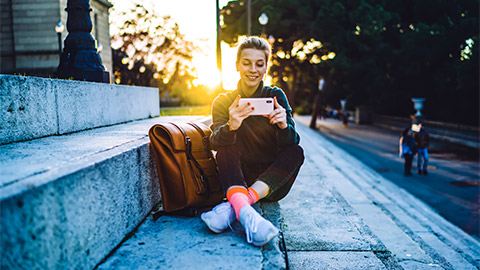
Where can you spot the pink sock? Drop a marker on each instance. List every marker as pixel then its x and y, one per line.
pixel 238 198
pixel 253 196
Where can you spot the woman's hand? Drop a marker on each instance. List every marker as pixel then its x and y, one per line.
pixel 278 116
pixel 238 113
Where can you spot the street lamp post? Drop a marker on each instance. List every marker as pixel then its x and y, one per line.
pixel 249 18
pixel 344 115
pixel 263 20
pixel 59 29
pixel 316 104
pixel 80 59
pixel 219 45
pixel 343 102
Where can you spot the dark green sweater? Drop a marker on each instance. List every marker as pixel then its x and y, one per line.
pixel 257 140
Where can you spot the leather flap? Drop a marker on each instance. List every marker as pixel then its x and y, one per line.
pixel 170 134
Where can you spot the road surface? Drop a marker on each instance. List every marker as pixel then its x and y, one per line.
pixel 452 187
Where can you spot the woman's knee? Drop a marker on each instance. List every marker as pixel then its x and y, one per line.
pixel 300 153
pixel 295 151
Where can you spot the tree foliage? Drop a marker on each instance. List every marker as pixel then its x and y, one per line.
pixel 377 53
pixel 150 50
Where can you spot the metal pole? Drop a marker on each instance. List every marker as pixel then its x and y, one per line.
pixel 219 48
pixel 249 18
pixel 59 44
pixel 317 104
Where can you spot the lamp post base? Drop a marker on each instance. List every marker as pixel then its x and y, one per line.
pixel 87 75
pixel 80 59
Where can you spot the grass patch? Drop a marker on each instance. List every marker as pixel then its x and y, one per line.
pixel 195 110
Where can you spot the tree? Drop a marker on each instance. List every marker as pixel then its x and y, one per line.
pixel 436 56
pixel 312 40
pixel 149 50
pixel 376 53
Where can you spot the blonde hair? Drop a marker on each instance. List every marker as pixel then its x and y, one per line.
pixel 254 42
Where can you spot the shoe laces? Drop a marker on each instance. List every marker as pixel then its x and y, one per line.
pixel 250 227
pixel 225 210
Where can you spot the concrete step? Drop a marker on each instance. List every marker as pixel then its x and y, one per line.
pixel 38 107
pixel 351 211
pixel 340 214
pixel 173 242
pixel 67 201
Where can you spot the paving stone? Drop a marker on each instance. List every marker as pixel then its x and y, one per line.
pixel 184 243
pixel 338 260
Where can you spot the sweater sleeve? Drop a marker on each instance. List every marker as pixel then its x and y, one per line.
pixel 220 134
pixel 288 135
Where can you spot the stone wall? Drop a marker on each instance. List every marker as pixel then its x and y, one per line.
pixel 66 201
pixel 29 43
pixel 37 107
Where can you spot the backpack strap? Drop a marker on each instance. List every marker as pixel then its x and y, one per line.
pixel 188 212
pixel 206 143
pixel 206 140
pixel 188 152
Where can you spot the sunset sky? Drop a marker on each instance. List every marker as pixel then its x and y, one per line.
pixel 197 20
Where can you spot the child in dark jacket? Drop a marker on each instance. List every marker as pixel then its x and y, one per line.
pixel 407 150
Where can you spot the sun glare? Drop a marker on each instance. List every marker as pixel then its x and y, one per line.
pixel 207 72
pixel 229 72
pixel 209 75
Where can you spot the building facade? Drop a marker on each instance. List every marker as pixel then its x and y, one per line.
pixel 28 42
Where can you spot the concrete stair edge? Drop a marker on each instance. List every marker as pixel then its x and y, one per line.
pixel 39 107
pixel 73 215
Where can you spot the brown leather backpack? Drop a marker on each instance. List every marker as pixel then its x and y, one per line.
pixel 186 167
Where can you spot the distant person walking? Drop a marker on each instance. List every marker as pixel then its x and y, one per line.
pixel 407 150
pixel 422 140
pixel 345 116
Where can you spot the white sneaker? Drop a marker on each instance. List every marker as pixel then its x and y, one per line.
pixel 219 218
pixel 259 231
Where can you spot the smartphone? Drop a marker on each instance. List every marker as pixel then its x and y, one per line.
pixel 262 106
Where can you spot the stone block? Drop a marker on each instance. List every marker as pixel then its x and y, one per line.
pixel 83 105
pixel 26 113
pixel 334 260
pixel 72 223
pixel 184 243
pixel 78 198
pixel 37 107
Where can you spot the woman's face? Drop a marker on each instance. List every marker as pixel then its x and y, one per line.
pixel 252 67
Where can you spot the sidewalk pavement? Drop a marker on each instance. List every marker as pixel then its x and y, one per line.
pixel 339 214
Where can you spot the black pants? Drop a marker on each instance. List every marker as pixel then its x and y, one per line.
pixel 408 163
pixel 279 175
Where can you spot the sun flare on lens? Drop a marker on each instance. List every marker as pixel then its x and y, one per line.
pixel 208 73
pixel 230 75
